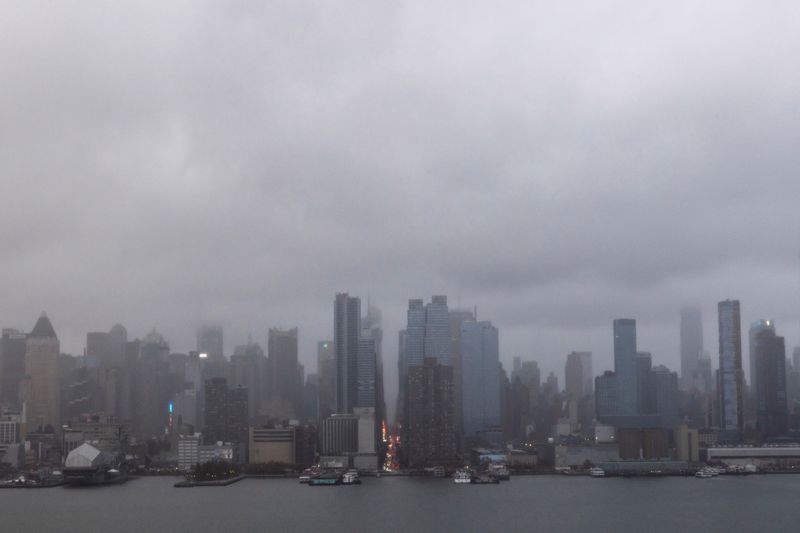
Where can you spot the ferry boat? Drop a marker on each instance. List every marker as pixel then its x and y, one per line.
pixel 351 478
pixel 327 478
pixel 462 475
pixel 597 472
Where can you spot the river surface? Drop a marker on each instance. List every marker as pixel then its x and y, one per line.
pixel 526 503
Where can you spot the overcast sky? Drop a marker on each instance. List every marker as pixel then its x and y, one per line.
pixel 556 164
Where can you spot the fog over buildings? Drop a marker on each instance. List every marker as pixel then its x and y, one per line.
pixel 184 164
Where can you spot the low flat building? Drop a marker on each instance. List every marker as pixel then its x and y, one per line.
pixel 766 456
pixel 272 445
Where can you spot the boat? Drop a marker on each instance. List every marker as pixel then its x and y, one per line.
pixel 499 471
pixel 351 478
pixel 327 478
pixel 597 472
pixel 439 471
pixel 703 474
pixel 462 475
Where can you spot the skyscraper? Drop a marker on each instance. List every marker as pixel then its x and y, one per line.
pixel 430 431
pixel 346 334
pixel 730 380
pixel 326 369
pixel 752 336
pixel 456 318
pixel 625 365
pixel 13 346
pixel 286 374
pixel 691 346
pixel 210 342
pixel 770 371
pixel 367 372
pixel 480 388
pixel 42 395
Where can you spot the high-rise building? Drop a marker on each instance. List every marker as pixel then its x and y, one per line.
pixel 574 382
pixel 428 435
pixel 625 365
pixel 367 372
pixel 664 385
pixel 152 388
pixel 226 413
pixel 456 318
pixel 287 377
pixel 730 375
pixel 430 429
pixel 372 328
pixel 691 346
pixel 42 394
pixel 326 369
pixel 480 388
pixel 587 372
pixel 210 342
pixel 13 346
pixel 755 329
pixel 346 334
pixel 769 352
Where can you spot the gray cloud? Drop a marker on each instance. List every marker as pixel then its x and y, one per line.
pixel 557 166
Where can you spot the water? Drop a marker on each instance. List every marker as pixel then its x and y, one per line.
pixel 537 503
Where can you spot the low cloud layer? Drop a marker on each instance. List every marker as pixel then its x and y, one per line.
pixel 555 166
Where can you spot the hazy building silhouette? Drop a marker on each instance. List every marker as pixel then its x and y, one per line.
pixel 346 335
pixel 326 369
pixel 691 331
pixel 730 375
pixel 13 346
pixel 456 317
pixel 210 341
pixel 430 430
pixel 769 351
pixel 42 391
pixel 752 336
pixel 625 368
pixel 480 388
pixel 287 376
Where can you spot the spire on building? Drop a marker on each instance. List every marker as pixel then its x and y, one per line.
pixel 43 328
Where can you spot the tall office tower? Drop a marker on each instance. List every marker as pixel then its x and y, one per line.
pixel 664 386
pixel 13 346
pixel 645 392
pixel 98 349
pixel 430 429
pixel 367 372
pixel 326 369
pixel 210 342
pixel 456 317
pixel 480 360
pixel 117 339
pixel 287 378
pixel 730 375
pixel 226 413
pixel 372 327
pixel 606 396
pixel 402 378
pixel 247 370
pixel 705 376
pixel 346 332
pixel 574 382
pixel 311 397
pixel 42 394
pixel 770 371
pixel 429 379
pixel 755 328
pixel 151 387
pixel 625 365
pixel 691 346
pixel 437 330
pixel 587 372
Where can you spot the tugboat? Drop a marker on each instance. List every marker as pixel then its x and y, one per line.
pixel 462 475
pixel 351 478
